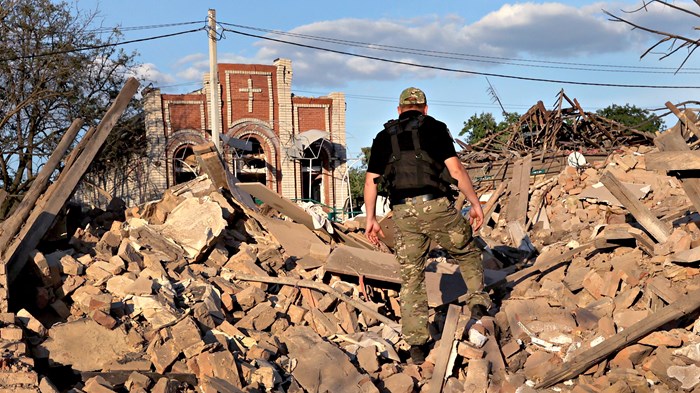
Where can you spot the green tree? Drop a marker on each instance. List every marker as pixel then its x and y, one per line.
pixel 56 65
pixel 356 176
pixel 632 116
pixel 480 126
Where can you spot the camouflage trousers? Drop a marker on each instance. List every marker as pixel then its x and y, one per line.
pixel 417 224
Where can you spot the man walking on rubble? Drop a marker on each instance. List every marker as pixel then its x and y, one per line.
pixel 412 157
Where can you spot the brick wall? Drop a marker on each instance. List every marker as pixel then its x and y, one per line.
pixel 184 111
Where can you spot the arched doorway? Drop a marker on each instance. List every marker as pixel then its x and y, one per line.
pixel 260 163
pixel 251 166
pixel 312 164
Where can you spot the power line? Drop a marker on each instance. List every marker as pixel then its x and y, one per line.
pixel 438 68
pixel 477 58
pixel 146 27
pixel 432 102
pixel 62 52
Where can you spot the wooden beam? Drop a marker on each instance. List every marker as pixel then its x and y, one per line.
pixel 683 118
pixel 12 225
pixel 649 221
pixel 519 190
pixel 323 288
pixel 673 160
pixel 583 361
pixel 445 348
pixel 490 206
pixel 673 141
pixel 545 265
pixel 41 219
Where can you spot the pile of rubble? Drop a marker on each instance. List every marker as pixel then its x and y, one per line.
pixel 593 270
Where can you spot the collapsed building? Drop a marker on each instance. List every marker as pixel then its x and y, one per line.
pixel 594 271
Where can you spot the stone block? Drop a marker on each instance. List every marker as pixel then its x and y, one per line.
pixel 70 265
pixel 137 380
pixel 128 253
pixel 11 333
pixel 70 284
pixel 296 314
pixel 185 334
pixel 662 339
pixel 142 286
pixel 367 359
pixel 630 356
pixel 626 318
pixel 9 378
pixel 260 317
pixel 27 320
pixel 96 274
pixel 117 286
pixel 250 297
pixel 50 274
pixel 399 383
pixel 98 385
pixel 103 319
pixel 593 283
pixel 221 365
pixel 46 386
pixel 163 355
pixel 108 244
pixel 165 385
pixel 114 266
pixel 539 365
pixel 266 375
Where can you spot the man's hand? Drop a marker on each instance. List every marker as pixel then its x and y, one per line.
pixel 476 217
pixel 372 228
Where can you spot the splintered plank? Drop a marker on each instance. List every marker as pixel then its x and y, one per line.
pixel 213 165
pixel 634 206
pixel 584 360
pixel 13 223
pixel 519 190
pixel 445 348
pixel 41 219
pixel 672 141
pixel 689 123
pixel 297 240
pixel 281 204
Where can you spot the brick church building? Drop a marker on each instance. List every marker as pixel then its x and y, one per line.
pixel 294 145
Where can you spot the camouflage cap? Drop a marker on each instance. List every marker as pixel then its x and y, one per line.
pixel 412 96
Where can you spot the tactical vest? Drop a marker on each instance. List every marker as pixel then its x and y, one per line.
pixel 415 168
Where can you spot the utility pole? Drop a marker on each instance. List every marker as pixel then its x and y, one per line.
pixel 215 113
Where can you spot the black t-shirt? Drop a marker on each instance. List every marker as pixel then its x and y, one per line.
pixel 434 138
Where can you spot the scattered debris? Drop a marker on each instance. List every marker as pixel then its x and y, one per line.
pixel 594 271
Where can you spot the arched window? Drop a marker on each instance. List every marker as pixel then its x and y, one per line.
pixel 184 164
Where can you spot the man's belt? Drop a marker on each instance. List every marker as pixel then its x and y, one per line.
pixel 416 199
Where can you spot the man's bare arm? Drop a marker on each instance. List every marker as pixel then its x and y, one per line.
pixel 464 183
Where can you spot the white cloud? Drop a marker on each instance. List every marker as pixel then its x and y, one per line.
pixel 151 73
pixel 543 31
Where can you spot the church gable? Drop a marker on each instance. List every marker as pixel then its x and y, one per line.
pixel 248 93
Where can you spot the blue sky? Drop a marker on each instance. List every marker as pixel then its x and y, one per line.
pixel 565 41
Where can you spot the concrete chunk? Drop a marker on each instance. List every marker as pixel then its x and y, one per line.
pixel 98 345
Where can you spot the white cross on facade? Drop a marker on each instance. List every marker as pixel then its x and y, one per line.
pixel 250 92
